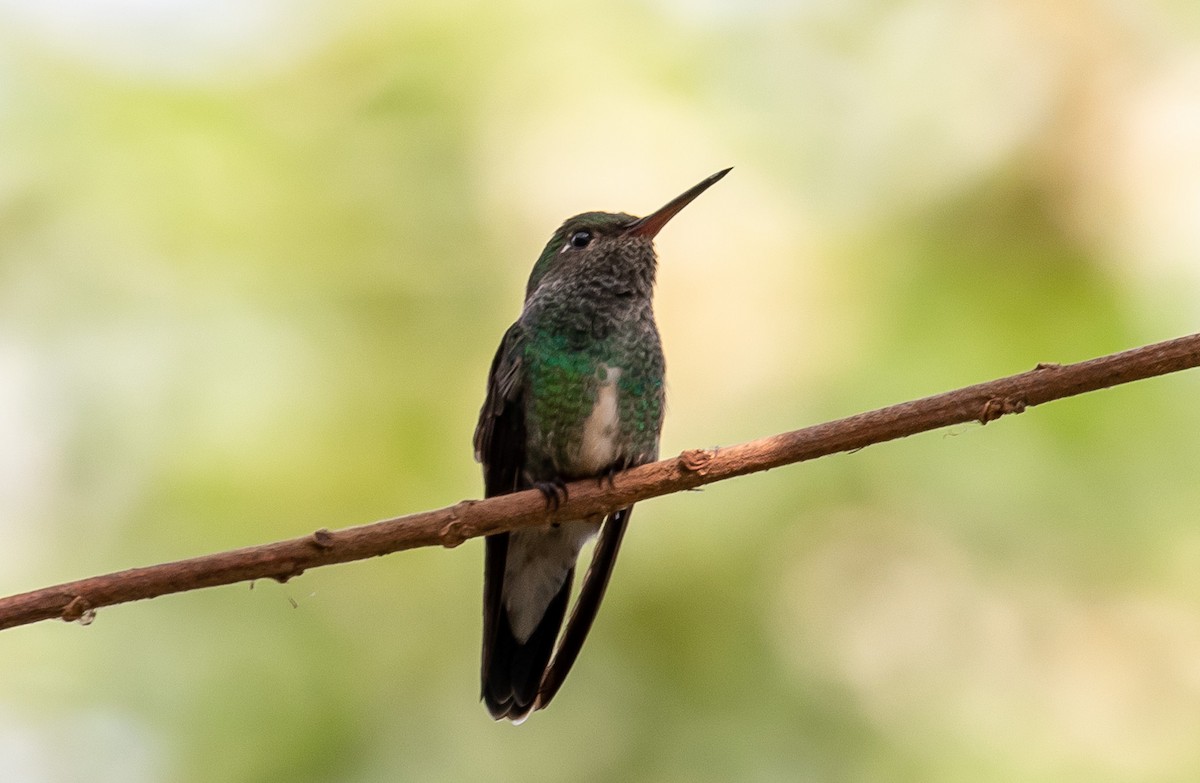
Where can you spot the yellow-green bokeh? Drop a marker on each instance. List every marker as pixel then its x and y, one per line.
pixel 255 258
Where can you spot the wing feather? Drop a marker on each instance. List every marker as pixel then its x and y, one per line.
pixel 590 595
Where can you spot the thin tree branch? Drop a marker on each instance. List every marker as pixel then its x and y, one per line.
pixel 451 526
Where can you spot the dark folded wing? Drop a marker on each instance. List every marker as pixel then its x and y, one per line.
pixel 500 434
pixel 500 446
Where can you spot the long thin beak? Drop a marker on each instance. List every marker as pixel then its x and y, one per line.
pixel 651 224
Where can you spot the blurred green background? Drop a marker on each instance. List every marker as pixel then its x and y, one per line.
pixel 255 258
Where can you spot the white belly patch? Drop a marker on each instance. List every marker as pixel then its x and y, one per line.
pixel 598 446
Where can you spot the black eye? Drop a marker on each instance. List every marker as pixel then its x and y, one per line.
pixel 581 239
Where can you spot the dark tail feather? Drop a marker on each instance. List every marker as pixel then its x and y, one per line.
pixel 590 595
pixel 512 672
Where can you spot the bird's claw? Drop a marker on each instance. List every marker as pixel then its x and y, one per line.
pixel 555 492
pixel 607 479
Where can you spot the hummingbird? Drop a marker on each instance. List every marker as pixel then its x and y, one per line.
pixel 575 391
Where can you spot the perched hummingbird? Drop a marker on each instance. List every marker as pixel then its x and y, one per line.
pixel 575 391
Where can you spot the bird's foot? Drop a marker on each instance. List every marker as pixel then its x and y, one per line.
pixel 555 492
pixel 606 480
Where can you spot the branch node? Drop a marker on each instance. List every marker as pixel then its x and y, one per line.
pixel 78 609
pixel 455 531
pixel 1000 406
pixel 321 539
pixel 697 460
pixel 290 571
pixel 1048 366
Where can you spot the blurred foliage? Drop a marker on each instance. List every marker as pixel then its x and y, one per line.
pixel 254 260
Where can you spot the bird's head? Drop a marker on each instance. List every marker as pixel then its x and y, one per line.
pixel 593 242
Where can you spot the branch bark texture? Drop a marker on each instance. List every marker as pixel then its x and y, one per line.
pixel 452 525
